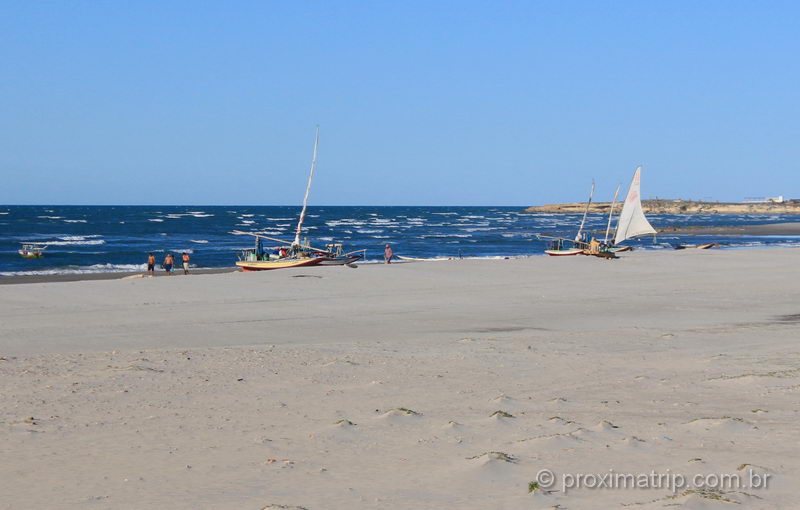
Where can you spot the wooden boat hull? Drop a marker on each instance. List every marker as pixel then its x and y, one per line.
pixel 564 253
pixel 339 261
pixel 697 246
pixel 268 265
pixel 27 255
pixel 600 254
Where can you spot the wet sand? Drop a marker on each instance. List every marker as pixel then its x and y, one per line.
pixel 54 278
pixel 769 229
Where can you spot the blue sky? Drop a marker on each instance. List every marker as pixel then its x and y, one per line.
pixel 419 103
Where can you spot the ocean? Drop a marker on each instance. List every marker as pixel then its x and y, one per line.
pixel 86 239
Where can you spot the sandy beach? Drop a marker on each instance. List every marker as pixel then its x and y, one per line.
pixel 430 385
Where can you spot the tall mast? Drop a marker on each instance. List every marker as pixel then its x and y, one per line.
pixel 610 214
pixel 585 212
pixel 296 241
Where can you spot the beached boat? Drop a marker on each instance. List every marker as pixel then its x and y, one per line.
pixel 334 255
pixel 266 265
pixel 561 247
pixel 32 250
pixel 296 253
pixel 704 246
pixel 561 252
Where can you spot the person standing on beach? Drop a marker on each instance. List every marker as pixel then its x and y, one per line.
pixel 185 257
pixel 168 261
pixel 388 254
pixel 151 264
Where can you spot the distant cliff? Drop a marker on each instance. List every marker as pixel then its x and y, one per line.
pixel 673 207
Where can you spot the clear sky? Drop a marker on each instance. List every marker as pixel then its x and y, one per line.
pixel 418 102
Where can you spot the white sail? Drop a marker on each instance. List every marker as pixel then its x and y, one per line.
pixel 632 221
pixel 299 230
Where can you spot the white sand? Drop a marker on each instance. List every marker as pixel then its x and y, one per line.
pixel 252 391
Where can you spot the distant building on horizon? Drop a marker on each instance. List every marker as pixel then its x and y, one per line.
pixel 765 200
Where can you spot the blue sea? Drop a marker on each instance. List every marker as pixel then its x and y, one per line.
pixel 84 239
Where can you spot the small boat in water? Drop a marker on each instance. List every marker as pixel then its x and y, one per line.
pixel 32 250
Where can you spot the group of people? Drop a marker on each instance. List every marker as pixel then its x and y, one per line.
pixel 168 264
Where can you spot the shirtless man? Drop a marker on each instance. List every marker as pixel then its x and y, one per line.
pixel 169 260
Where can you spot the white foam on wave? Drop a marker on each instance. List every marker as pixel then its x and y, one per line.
pixel 156 220
pixel 95 268
pixel 74 221
pixel 80 238
pixel 199 241
pixel 366 231
pixel 50 217
pixel 3 213
pixel 88 240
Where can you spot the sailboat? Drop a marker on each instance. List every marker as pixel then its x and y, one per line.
pixel 632 221
pixel 296 254
pixel 559 247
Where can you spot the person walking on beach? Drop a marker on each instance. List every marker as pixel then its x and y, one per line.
pixel 168 262
pixel 185 257
pixel 388 254
pixel 151 264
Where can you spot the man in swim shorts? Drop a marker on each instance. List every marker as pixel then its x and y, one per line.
pixel 168 261
pixel 151 264
pixel 185 257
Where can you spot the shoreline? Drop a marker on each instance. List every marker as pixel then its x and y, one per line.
pixel 767 229
pixel 110 275
pixel 771 229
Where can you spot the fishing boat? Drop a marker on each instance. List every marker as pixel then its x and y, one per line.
pixel 296 253
pixel 334 255
pixel 703 246
pixel 561 247
pixel 266 265
pixel 632 221
pixel 32 250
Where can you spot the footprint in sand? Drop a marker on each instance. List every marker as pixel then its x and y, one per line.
pixel 401 415
pixel 724 424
